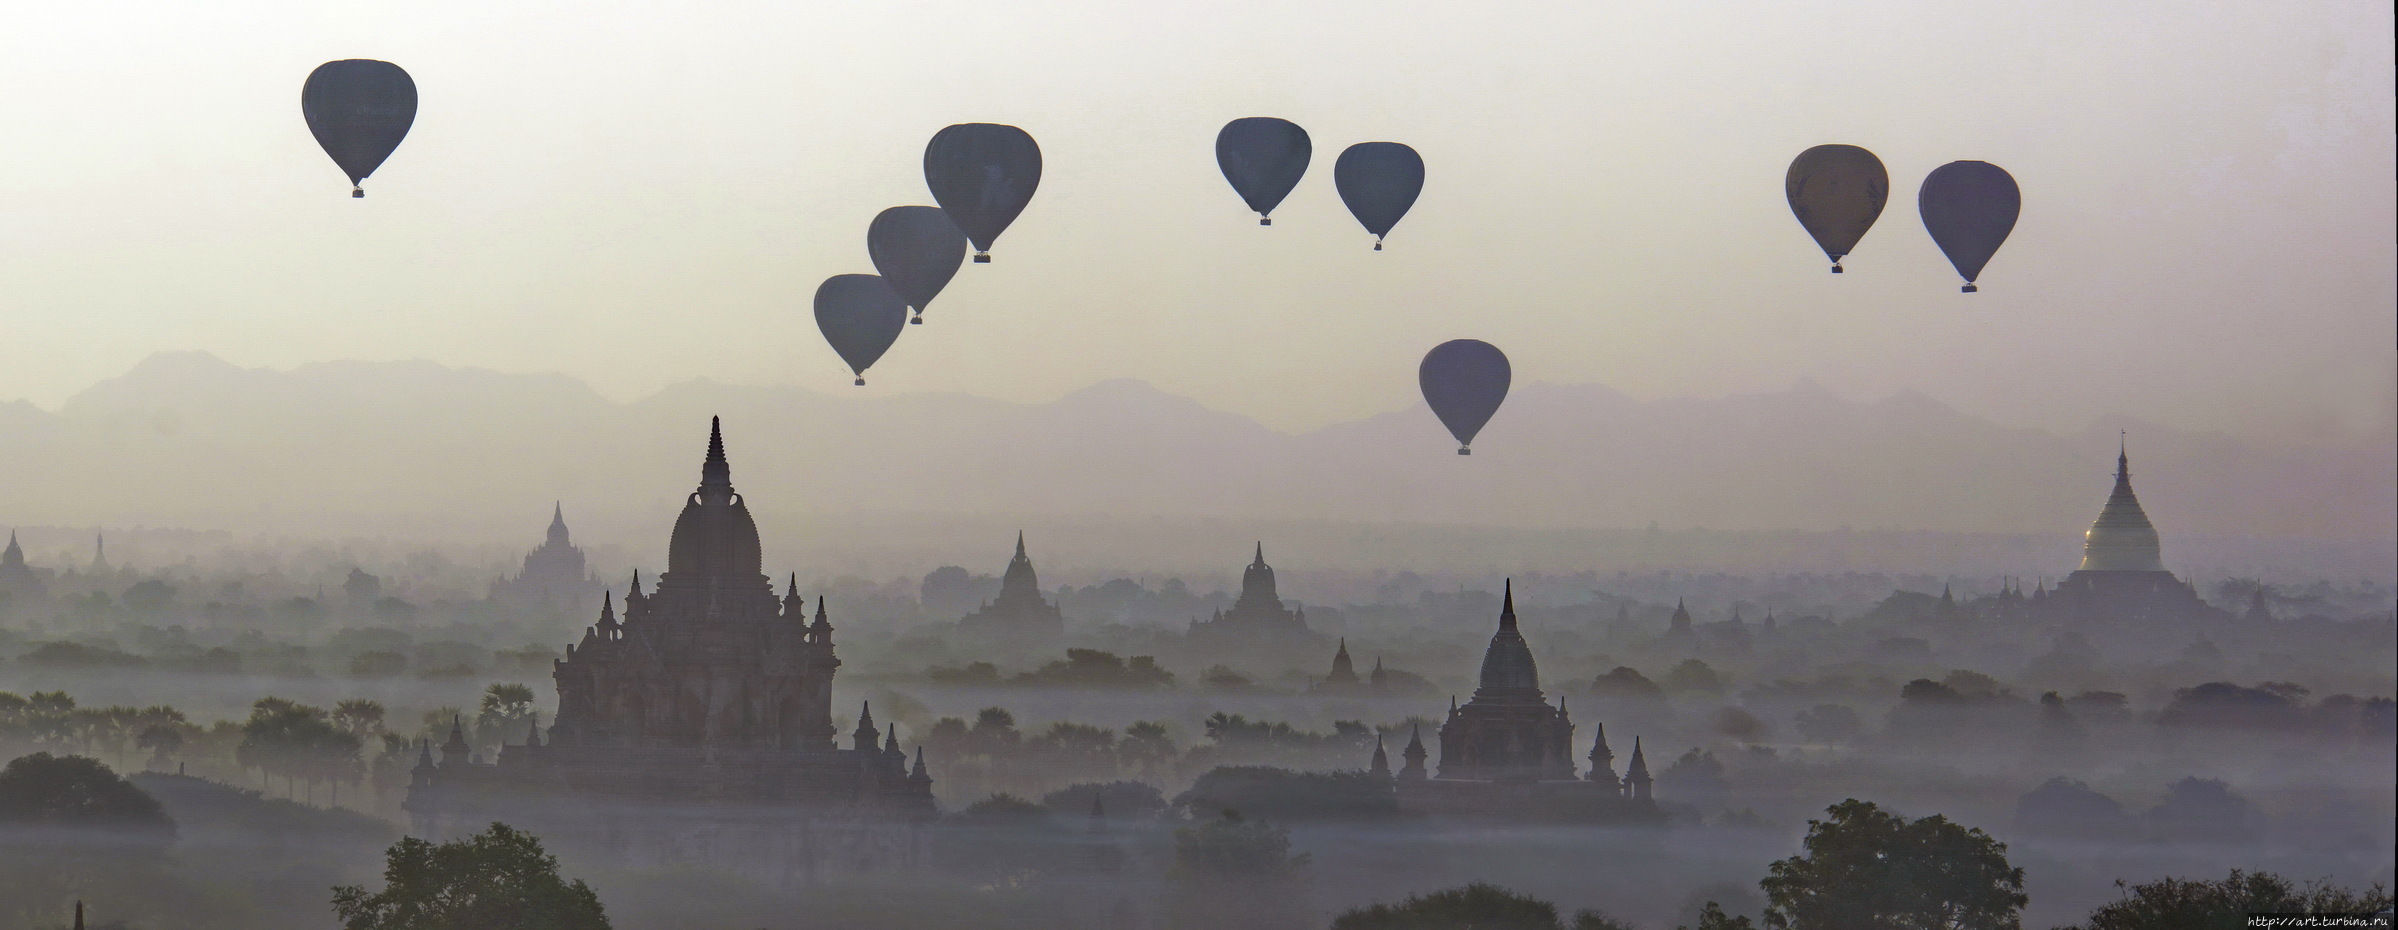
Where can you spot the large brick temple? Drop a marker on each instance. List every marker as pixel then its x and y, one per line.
pixel 698 728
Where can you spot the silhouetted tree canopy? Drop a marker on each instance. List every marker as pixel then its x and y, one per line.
pixel 1625 682
pixel 1868 869
pixel 1712 917
pixel 2192 904
pixel 499 879
pixel 42 790
pixel 2064 807
pixel 1828 723
pixel 1480 906
pixel 1235 872
pixel 1283 794
pixel 1121 800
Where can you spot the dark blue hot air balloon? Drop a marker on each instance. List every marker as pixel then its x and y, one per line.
pixel 1379 181
pixel 918 250
pixel 1836 191
pixel 359 109
pixel 983 175
pixel 861 316
pixel 1264 158
pixel 1969 207
pixel 1464 380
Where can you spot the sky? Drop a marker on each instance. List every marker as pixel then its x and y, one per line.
pixel 640 194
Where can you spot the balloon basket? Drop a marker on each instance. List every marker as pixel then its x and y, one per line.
pixel 982 258
pixel 1836 269
pixel 357 192
pixel 1377 246
pixel 1265 221
pixel 1462 450
pixel 1969 289
pixel 861 382
pixel 915 321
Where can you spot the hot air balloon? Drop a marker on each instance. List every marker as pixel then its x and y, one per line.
pixel 359 109
pixel 1264 158
pixel 1464 380
pixel 861 316
pixel 918 250
pixel 1969 207
pixel 982 174
pixel 1379 181
pixel 1837 191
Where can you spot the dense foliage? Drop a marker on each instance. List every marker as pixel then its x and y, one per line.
pixel 499 879
pixel 1867 869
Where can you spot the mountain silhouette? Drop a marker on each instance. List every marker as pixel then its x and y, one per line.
pixel 187 438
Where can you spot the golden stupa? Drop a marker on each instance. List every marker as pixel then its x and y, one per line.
pixel 2122 540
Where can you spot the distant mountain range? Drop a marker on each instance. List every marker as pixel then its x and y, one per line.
pixel 186 438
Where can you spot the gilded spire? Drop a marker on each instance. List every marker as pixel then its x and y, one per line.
pixel 2122 539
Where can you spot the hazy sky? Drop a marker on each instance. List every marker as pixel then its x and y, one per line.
pixel 642 193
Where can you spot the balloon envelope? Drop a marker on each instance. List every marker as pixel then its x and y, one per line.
pixel 918 250
pixel 359 109
pixel 1464 380
pixel 983 175
pixel 1837 191
pixel 1969 207
pixel 861 316
pixel 1379 181
pixel 1264 158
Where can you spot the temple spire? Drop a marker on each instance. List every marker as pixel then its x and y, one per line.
pixel 1636 775
pixel 1381 767
pixel 1507 608
pixel 1261 553
pixel 865 734
pixel 1413 770
pixel 1020 545
pixel 557 534
pixel 716 474
pixel 2122 539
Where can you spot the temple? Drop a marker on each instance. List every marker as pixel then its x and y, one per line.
pixel 1507 752
pixel 16 578
pixel 553 577
pixel 2122 575
pixel 1257 612
pixel 698 728
pixel 1020 613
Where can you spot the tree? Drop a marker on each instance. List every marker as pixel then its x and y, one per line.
pixel 1712 917
pixel 71 828
pixel 1828 723
pixel 1146 750
pixel 506 712
pixel 1867 869
pixel 1627 683
pixel 73 791
pixel 1235 872
pixel 1478 906
pixel 359 717
pixel 163 741
pixel 1290 795
pixel 499 879
pixel 2187 904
